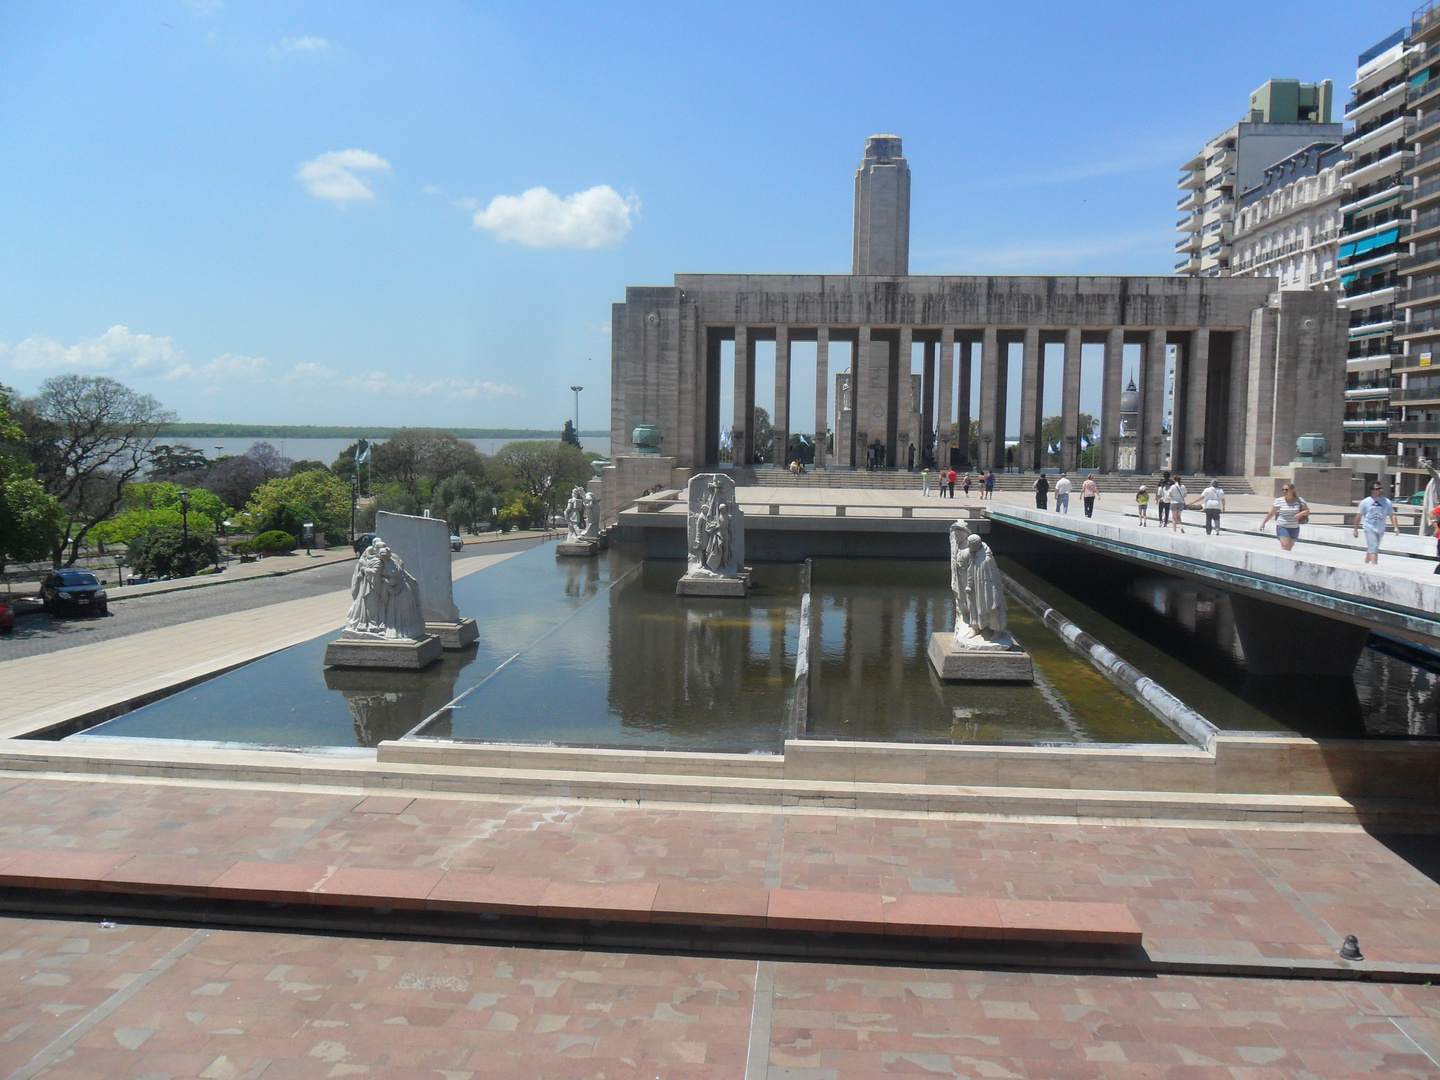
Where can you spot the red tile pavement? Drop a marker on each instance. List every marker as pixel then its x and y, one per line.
pixel 389 888
pixel 265 881
pixel 506 894
pixel 245 1004
pixel 717 905
pixel 626 901
pixel 802 909
pixel 943 916
pixel 163 873
pixel 1193 891
pixel 1060 920
pixel 50 868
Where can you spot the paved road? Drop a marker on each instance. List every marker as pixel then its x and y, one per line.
pixel 41 633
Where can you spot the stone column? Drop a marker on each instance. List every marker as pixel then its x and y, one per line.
pixel 861 364
pixel 897 386
pixel 944 397
pixel 1027 455
pixel 742 432
pixel 1197 374
pixel 992 449
pixel 822 395
pixel 1152 402
pixel 927 403
pixel 1111 387
pixel 962 410
pixel 780 452
pixel 1070 402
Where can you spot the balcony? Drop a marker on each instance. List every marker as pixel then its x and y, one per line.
pixel 1426 91
pixel 1381 424
pixel 1386 128
pixel 1413 131
pixel 1424 161
pixel 1401 428
pixel 1189 201
pixel 1424 196
pixel 1189 265
pixel 1190 243
pixel 1388 186
pixel 1368 393
pixel 1218 163
pixel 1372 98
pixel 1418 328
pixel 1190 223
pixel 1192 180
pixel 1432 395
pixel 1424 257
pixel 1424 21
pixel 1423 291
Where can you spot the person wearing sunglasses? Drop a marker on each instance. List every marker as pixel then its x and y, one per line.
pixel 1290 512
pixel 1370 516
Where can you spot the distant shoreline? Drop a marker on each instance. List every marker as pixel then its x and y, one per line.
pixel 321 431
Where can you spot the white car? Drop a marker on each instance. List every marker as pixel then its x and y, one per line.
pixel 455 542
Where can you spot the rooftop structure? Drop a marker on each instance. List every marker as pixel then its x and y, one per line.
pixel 1285 116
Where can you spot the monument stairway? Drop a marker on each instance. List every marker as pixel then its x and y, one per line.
pixel 900 480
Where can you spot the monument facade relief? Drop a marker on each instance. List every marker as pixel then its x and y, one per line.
pixel 384 626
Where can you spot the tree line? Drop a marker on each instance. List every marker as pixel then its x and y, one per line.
pixel 82 467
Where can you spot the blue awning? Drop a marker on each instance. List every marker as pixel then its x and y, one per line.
pixel 1346 250
pixel 1380 239
pixel 1346 279
pixel 1421 79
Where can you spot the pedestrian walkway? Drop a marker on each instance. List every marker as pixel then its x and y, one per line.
pixel 95 680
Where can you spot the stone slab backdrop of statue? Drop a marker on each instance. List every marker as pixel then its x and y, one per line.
pixel 384 626
pixel 582 526
pixel 980 648
pixel 423 545
pixel 714 539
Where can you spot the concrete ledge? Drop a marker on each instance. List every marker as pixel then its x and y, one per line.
pixel 545 898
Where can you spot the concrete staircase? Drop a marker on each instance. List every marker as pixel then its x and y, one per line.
pixel 893 480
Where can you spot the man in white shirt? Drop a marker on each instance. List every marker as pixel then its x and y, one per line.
pixel 1370 516
pixel 1062 494
pixel 1212 501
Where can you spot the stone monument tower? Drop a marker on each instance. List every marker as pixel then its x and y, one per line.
pixel 882 209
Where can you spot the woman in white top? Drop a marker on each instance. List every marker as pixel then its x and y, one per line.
pixel 1290 512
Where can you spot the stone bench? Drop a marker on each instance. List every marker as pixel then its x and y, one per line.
pixel 647 901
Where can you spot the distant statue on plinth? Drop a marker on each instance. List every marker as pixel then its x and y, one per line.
pixel 575 515
pixel 714 539
pixel 1432 496
pixel 592 517
pixel 980 648
pixel 582 525
pixel 384 598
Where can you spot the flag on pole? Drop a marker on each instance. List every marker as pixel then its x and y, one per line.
pixel 362 454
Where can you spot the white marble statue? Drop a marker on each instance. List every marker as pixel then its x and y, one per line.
pixel 384 599
pixel 980 615
pixel 592 517
pixel 575 515
pixel 715 529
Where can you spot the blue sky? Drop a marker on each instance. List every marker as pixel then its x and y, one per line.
pixel 317 212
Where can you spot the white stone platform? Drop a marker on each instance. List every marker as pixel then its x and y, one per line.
pixel 956 664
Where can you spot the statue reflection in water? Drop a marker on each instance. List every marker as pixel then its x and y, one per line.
pixel 582 578
pixel 386 704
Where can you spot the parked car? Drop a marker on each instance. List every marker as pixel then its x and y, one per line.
pixel 455 542
pixel 363 541
pixel 73 589
pixel 7 618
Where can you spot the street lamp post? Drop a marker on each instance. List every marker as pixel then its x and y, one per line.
pixel 185 518
pixel 354 499
pixel 577 388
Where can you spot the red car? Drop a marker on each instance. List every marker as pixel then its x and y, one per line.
pixel 7 618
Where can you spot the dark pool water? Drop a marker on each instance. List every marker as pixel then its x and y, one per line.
pixel 601 652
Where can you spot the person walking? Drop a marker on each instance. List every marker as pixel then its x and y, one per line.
pixel 1062 494
pixel 1162 499
pixel 1042 492
pixel 990 484
pixel 1371 515
pixel 1089 492
pixel 1142 503
pixel 965 484
pixel 1290 512
pixel 1212 501
pixel 950 483
pixel 925 482
pixel 1176 498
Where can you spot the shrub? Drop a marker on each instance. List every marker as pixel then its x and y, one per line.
pixel 274 540
pixel 163 552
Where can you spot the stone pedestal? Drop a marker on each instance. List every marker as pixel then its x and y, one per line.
pixel 705 585
pixel 454 635
pixel 577 548
pixel 1327 484
pixel 955 664
pixel 405 655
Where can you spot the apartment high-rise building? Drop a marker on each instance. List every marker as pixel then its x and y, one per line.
pixel 1285 116
pixel 1414 430
pixel 1288 226
pixel 1372 244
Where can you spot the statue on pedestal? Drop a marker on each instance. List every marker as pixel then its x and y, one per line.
pixel 575 515
pixel 384 599
pixel 592 517
pixel 582 525
pixel 980 649
pixel 714 539
pixel 1427 517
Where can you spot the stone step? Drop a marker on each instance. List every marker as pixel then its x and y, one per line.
pixel 908 481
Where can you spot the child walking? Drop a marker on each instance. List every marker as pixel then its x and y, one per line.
pixel 1142 502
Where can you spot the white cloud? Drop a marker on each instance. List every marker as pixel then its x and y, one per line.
pixel 123 353
pixel 375 381
pixel 596 218
pixel 433 189
pixel 332 175
pixel 202 8
pixel 304 44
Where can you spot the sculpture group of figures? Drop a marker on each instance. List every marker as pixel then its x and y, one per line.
pixel 384 598
pixel 582 516
pixel 980 649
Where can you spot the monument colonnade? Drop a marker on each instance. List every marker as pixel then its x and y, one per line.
pixel 881 361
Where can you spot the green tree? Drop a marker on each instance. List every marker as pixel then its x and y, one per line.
pixel 89 437
pixel 1052 434
pixel 419 458
pixel 543 468
pixel 165 552
pixel 32 521
pixel 307 465
pixel 124 527
pixel 168 461
pixel 393 498
pixel 461 502
pixel 287 502
pixel 568 434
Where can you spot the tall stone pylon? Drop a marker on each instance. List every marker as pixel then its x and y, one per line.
pixel 882 209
